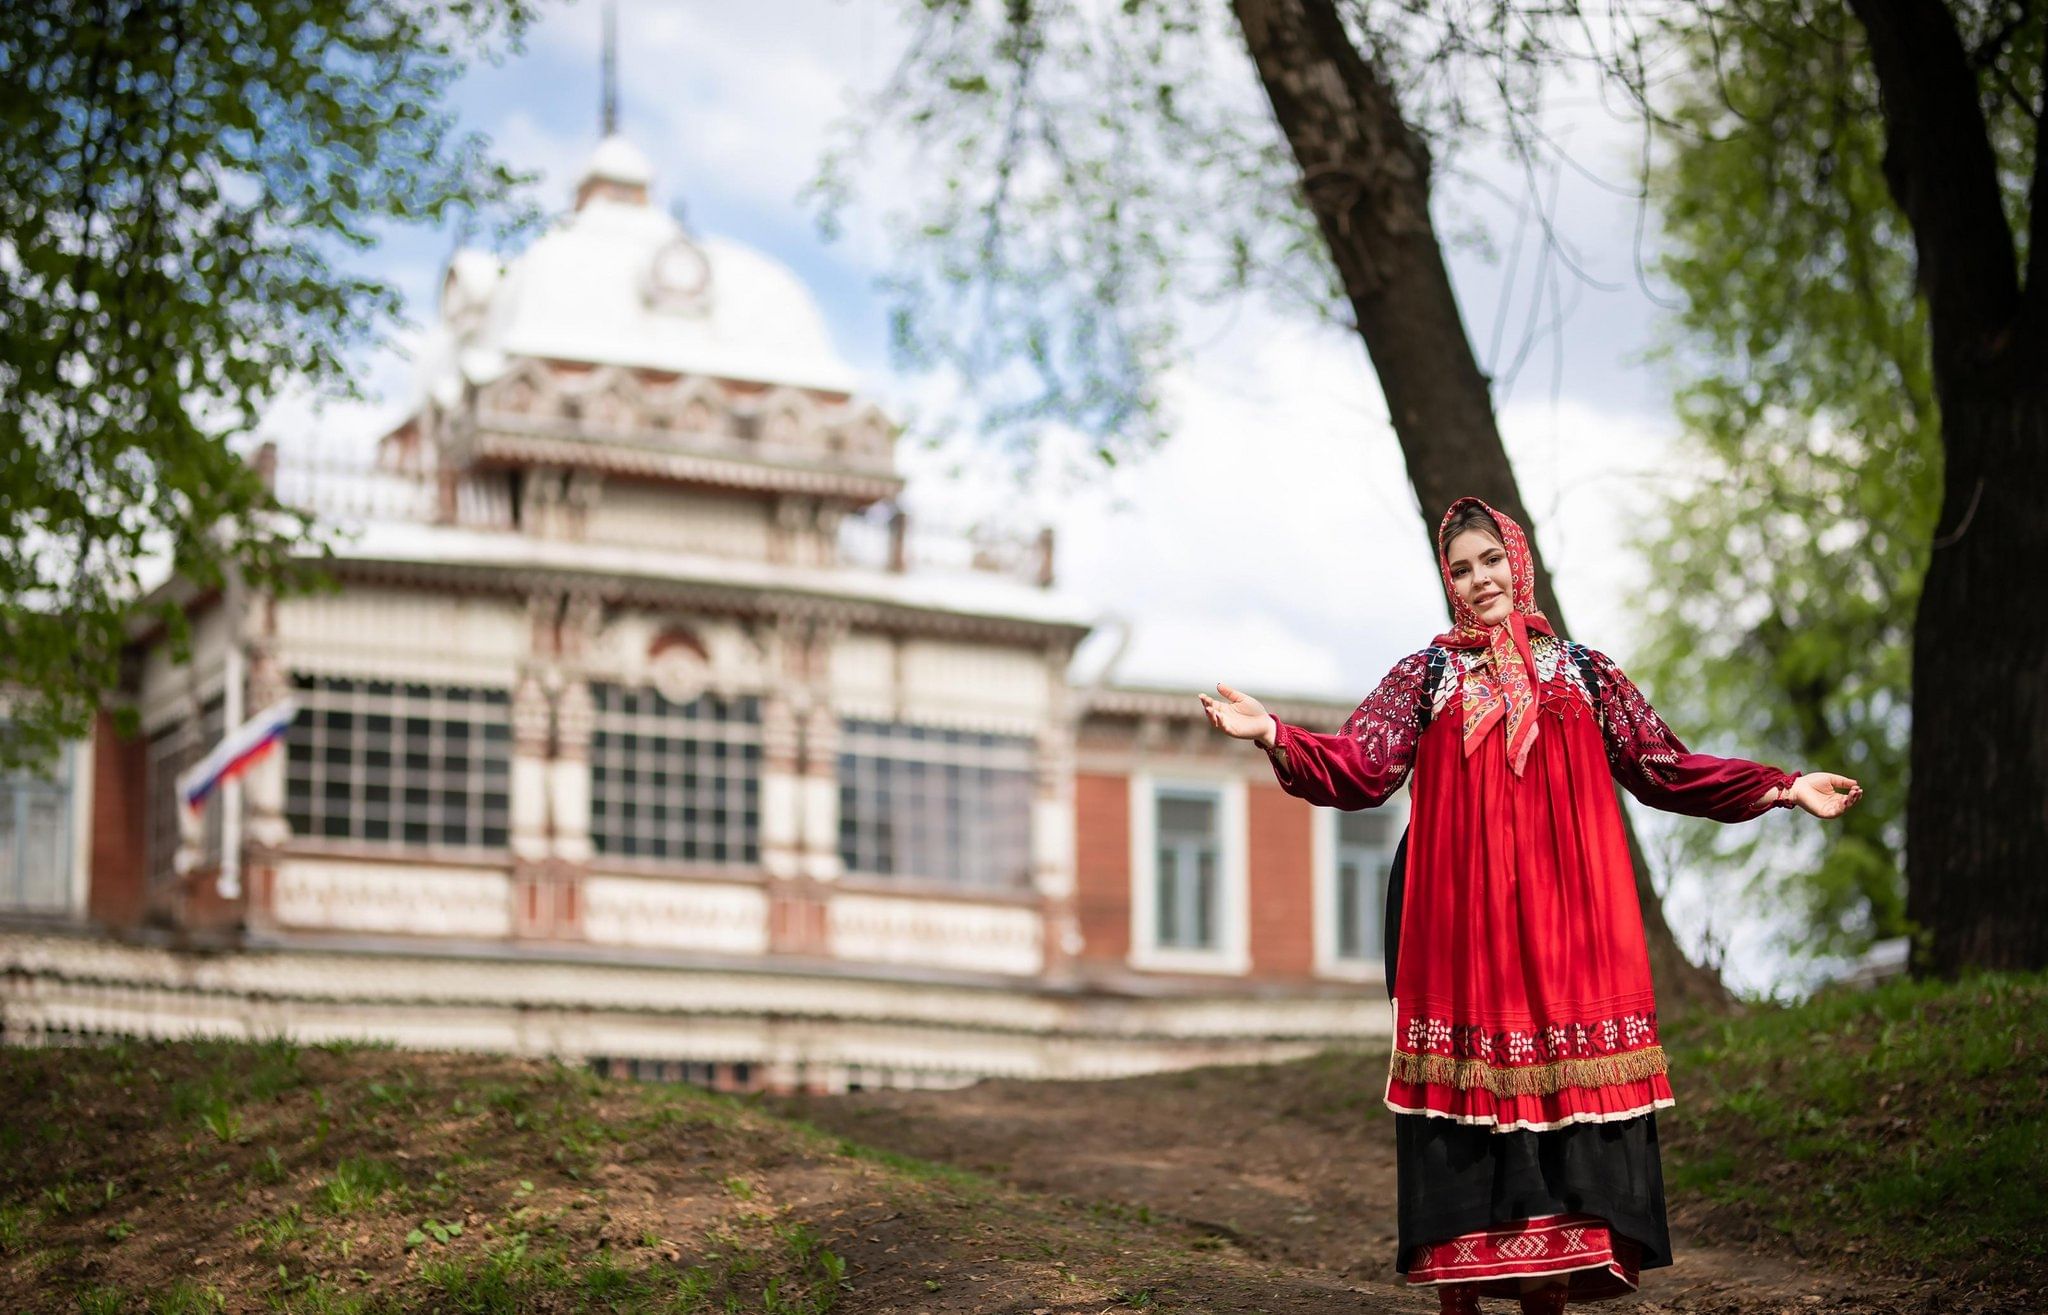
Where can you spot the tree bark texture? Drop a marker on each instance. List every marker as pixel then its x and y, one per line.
pixel 1366 177
pixel 1977 804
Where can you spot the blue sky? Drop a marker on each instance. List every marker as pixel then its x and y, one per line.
pixel 1274 542
pixel 734 103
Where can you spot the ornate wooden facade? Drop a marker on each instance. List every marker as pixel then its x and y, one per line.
pixel 610 746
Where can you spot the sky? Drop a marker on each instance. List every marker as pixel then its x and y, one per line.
pixel 1273 542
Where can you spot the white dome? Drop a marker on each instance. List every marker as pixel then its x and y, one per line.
pixel 617 160
pixel 618 283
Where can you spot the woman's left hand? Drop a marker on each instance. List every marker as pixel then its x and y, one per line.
pixel 1825 794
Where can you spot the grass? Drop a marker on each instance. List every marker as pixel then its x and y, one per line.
pixel 784 1271
pixel 358 1183
pixel 363 1181
pixel 1908 1124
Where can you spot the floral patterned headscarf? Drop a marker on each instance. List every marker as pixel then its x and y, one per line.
pixel 1508 689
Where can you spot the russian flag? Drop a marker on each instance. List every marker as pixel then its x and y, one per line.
pixel 235 754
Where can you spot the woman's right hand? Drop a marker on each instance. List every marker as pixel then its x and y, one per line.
pixel 1239 715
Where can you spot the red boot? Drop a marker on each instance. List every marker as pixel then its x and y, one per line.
pixel 1548 1300
pixel 1458 1298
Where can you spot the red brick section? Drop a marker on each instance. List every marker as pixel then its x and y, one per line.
pixel 547 900
pixel 117 891
pixel 796 918
pixel 1102 865
pixel 1282 882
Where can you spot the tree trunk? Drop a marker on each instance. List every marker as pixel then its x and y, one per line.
pixel 1977 805
pixel 1366 177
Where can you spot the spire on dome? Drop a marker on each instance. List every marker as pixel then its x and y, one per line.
pixel 608 106
pixel 617 170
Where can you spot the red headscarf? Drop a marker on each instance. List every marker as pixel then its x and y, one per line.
pixel 1509 689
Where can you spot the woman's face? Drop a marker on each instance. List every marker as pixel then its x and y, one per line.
pixel 1480 575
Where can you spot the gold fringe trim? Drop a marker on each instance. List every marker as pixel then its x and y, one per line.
pixel 1529 1079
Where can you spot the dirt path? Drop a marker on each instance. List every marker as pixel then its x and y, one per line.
pixel 1285 1165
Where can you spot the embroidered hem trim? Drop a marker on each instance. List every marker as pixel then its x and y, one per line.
pixel 1529 1079
pixel 1544 1246
pixel 1530 1125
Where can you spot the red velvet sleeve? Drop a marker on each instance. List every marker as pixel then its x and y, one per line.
pixel 1365 762
pixel 1655 766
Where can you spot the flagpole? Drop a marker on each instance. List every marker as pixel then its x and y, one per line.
pixel 229 883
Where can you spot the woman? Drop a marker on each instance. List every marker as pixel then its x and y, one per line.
pixel 1526 1068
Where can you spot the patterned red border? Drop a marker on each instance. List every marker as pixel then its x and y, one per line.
pixel 1546 1245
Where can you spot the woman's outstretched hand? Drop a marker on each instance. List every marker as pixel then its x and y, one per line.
pixel 1238 714
pixel 1825 794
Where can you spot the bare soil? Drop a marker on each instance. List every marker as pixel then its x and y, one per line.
pixel 1292 1166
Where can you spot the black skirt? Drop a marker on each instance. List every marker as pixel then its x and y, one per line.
pixel 1457 1178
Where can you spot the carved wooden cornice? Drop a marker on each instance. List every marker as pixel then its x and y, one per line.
pixel 742 601
pixel 503 443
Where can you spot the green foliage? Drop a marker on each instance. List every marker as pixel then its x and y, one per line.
pixel 438 1230
pixel 182 186
pixel 1783 581
pixel 1094 170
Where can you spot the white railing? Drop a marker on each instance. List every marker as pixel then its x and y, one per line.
pixel 347 488
pixel 900 543
pixel 350 487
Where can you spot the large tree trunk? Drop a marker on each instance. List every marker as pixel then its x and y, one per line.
pixel 1366 177
pixel 1977 806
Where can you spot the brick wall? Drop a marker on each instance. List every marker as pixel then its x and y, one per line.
pixel 117 891
pixel 1102 864
pixel 1282 882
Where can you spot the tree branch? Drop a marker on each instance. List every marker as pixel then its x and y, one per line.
pixel 2037 202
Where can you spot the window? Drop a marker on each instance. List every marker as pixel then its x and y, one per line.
pixel 1190 874
pixel 1190 851
pixel 171 751
pixel 403 764
pixel 35 839
pixel 940 805
pixel 678 781
pixel 1365 856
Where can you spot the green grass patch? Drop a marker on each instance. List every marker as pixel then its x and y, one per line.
pixel 317 1296
pixel 17 1225
pixel 358 1182
pixel 185 1297
pixel 963 1182
pixel 1903 1120
pixel 102 1301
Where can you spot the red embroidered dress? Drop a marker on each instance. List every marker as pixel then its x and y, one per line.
pixel 1522 991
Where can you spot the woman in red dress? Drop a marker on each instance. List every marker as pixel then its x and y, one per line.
pixel 1526 1070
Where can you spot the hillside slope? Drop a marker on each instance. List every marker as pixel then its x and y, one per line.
pixel 1881 1153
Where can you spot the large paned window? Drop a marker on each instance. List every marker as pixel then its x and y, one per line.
pixel 1188 832
pixel 171 751
pixel 675 781
pixel 1365 856
pixel 35 839
pixel 386 762
pixel 934 804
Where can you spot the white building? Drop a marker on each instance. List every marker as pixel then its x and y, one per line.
pixel 637 732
